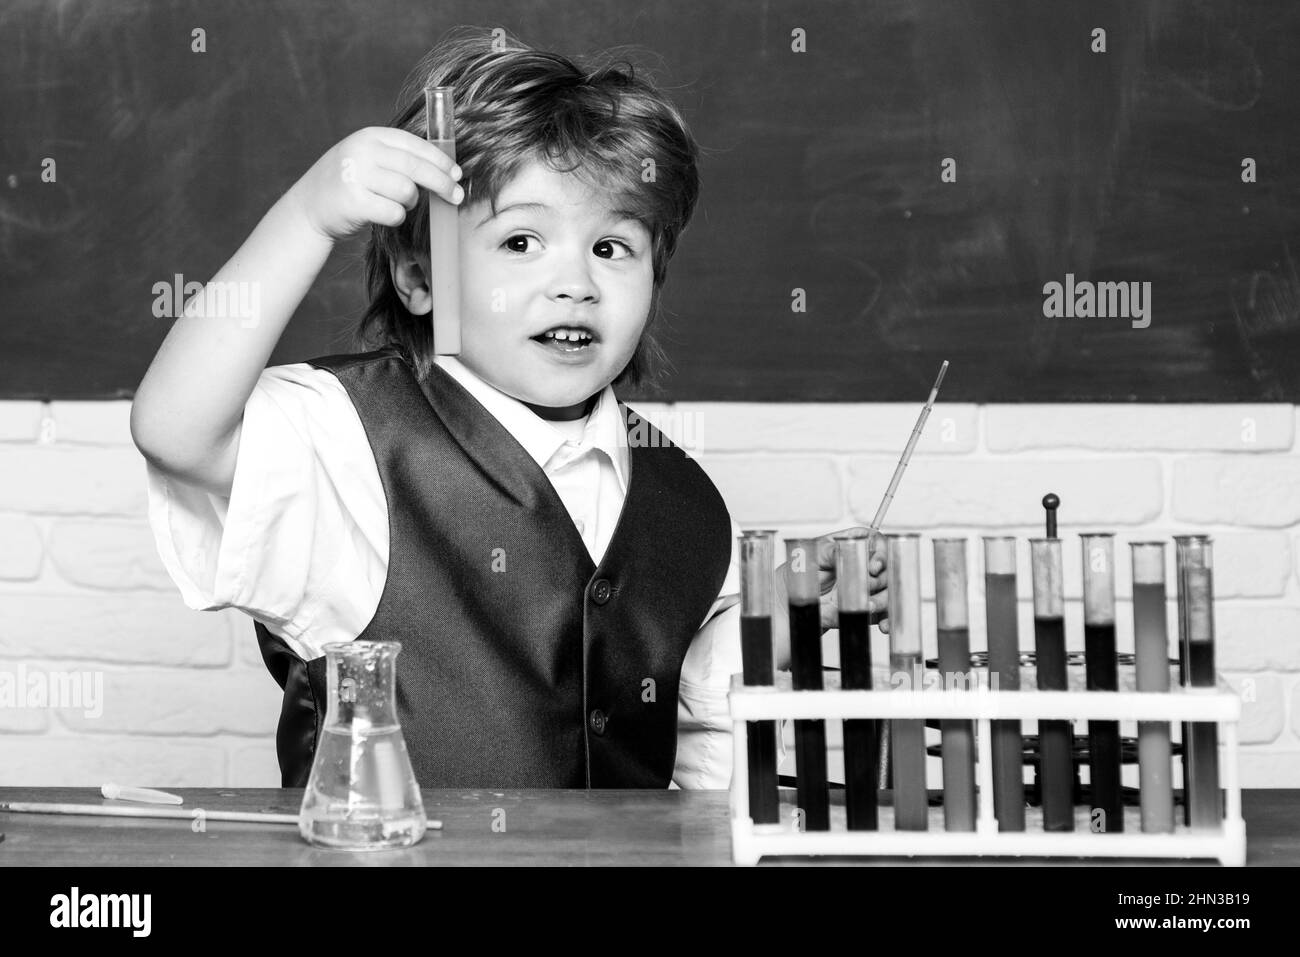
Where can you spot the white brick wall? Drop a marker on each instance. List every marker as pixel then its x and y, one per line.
pixel 188 702
pixel 82 590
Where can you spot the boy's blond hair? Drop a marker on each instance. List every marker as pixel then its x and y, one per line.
pixel 515 105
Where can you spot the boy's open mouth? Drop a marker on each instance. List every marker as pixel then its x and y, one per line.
pixel 565 339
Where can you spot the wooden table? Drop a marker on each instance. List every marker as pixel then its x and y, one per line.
pixel 532 827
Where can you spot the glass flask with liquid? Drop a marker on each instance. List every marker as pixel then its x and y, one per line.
pixel 362 794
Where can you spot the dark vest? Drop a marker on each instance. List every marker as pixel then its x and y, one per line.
pixel 523 664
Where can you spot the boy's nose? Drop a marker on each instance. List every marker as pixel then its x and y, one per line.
pixel 573 279
pixel 574 291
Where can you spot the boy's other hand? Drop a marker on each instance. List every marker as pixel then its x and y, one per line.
pixel 373 176
pixel 879 581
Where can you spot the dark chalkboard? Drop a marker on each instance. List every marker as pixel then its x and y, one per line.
pixel 822 173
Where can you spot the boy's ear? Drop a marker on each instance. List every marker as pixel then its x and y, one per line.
pixel 410 279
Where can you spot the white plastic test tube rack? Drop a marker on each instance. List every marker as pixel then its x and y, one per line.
pixel 980 704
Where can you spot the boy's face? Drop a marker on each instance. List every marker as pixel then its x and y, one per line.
pixel 529 271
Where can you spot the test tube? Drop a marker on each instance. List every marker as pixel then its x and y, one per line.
pixel 1004 667
pixel 1184 729
pixel 803 589
pixel 1196 632
pixel 756 551
pixel 1102 674
pixel 1151 643
pixel 911 804
pixel 1055 738
pixel 444 229
pixel 957 736
pixel 852 585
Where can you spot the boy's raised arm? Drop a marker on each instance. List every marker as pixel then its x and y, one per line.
pixel 187 411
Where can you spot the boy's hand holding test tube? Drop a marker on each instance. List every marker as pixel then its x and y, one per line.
pixel 188 411
pixel 829 599
pixel 373 176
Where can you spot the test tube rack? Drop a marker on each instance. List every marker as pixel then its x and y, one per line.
pixel 982 705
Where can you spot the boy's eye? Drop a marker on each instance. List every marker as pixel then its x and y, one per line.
pixel 611 243
pixel 521 245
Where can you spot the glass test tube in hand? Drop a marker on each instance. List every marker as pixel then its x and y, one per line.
pixel 444 229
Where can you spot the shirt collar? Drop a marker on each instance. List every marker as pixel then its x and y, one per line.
pixel 604 428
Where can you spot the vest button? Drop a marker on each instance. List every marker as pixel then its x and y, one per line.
pixel 600 591
pixel 598 721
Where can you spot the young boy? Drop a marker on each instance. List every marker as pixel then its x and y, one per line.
pixel 565 598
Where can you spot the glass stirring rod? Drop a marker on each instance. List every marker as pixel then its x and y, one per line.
pixel 874 530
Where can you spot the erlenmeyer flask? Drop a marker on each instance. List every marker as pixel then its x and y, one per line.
pixel 362 794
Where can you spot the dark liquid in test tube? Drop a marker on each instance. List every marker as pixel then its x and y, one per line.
pixel 956 735
pixel 1205 799
pixel 756 652
pixel 1055 738
pixel 860 752
pixel 1196 633
pixel 809 735
pixel 1200 665
pixel 1185 736
pixel 1103 736
pixel 1004 664
pixel 907 662
pixel 1101 672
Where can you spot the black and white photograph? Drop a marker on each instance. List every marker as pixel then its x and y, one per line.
pixel 738 433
